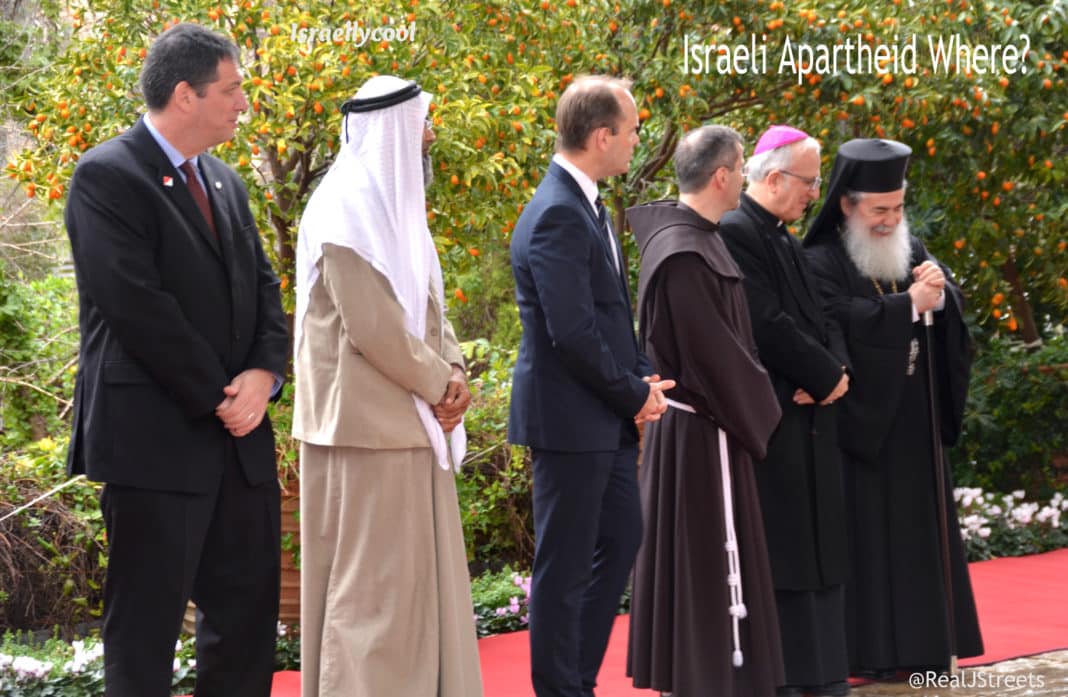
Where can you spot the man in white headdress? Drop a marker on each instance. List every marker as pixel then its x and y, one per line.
pixel 380 396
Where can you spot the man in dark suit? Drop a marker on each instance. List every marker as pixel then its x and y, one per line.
pixel 183 338
pixel 800 479
pixel 578 390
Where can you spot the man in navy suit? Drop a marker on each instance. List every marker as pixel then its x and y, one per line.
pixel 182 339
pixel 580 386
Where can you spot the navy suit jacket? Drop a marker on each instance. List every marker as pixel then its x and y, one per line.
pixel 577 383
pixel 168 316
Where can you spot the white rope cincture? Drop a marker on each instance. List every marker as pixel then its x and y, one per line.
pixel 736 608
pixel 734 565
pixel 42 497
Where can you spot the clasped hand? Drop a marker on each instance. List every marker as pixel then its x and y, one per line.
pixel 450 410
pixel 927 287
pixel 246 401
pixel 656 403
pixel 804 398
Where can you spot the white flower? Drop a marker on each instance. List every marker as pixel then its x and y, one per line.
pixel 1024 513
pixel 994 510
pixel 177 664
pixel 282 629
pixel 85 654
pixel 1019 493
pixel 27 667
pixel 984 533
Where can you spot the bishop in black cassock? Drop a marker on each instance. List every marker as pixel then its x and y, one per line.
pixel 878 279
pixel 800 479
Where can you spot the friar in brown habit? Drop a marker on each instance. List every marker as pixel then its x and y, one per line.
pixel 703 616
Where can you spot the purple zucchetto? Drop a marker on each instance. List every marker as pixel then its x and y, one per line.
pixel 778 136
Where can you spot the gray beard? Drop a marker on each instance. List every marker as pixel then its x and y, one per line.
pixel 428 171
pixel 881 258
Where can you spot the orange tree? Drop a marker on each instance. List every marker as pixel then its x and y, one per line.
pixel 987 177
pixel 989 143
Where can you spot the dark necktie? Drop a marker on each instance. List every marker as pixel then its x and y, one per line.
pixel 602 220
pixel 602 213
pixel 198 194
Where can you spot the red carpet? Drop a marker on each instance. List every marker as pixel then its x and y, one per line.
pixel 1022 611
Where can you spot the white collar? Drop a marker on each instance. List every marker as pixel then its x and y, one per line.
pixel 588 186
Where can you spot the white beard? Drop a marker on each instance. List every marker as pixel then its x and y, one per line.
pixel 878 257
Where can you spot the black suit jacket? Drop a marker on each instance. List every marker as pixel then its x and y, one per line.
pixel 168 316
pixel 577 384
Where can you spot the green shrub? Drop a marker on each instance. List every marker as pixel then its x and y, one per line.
pixel 1014 425
pixel 500 600
pixel 494 487
pixel 52 555
pixel 38 357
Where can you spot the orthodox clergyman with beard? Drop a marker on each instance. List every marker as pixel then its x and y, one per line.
pixel 878 280
pixel 380 396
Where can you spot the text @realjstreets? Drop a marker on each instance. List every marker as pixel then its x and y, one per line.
pixel 352 33
pixel 975 679
pixel 856 56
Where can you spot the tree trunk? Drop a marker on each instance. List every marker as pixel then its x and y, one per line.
pixel 1021 308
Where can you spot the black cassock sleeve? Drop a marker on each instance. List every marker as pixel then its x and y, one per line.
pixel 878 330
pixel 785 347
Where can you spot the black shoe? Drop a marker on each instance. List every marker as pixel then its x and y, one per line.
pixel 788 691
pixel 839 688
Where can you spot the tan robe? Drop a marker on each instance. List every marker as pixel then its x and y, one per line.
pixel 385 593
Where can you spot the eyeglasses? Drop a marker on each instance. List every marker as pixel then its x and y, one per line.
pixel 811 182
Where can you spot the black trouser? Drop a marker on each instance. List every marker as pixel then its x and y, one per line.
pixel 222 550
pixel 587 523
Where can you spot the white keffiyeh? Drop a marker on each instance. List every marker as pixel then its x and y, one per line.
pixel 372 201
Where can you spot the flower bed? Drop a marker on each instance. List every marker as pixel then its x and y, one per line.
pixel 1004 525
pixel 992 525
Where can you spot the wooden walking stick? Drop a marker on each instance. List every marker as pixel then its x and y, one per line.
pixel 940 489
